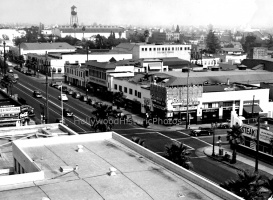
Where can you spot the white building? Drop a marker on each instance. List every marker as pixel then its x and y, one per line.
pixel 232 55
pixel 207 62
pixel 143 50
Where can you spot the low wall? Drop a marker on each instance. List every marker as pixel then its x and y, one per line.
pixel 21 178
pixel 211 187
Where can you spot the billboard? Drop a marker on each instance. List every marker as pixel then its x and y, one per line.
pixel 251 131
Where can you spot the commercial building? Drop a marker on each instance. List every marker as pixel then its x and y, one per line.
pixel 144 50
pixel 210 96
pixel 232 55
pixel 99 166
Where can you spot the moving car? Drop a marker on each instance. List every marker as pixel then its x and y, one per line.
pixel 84 98
pixel 97 104
pixel 63 97
pixel 37 94
pixel 64 89
pixel 117 113
pixel 67 112
pixel 76 95
pixel 15 76
pixel 201 131
pixel 29 72
pixel 53 84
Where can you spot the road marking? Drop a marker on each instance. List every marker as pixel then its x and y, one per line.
pixel 128 129
pixel 143 133
pixel 190 148
pixel 198 157
pixel 195 138
pixel 51 108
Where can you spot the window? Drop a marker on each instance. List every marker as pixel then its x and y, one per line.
pixel 150 49
pixel 120 88
pixel 130 91
pixel 15 165
pixel 125 89
pixel 154 49
pixel 142 49
pixel 172 48
pixel 181 48
pixel 115 86
pixel 145 49
pixel 139 94
pixel 136 93
pixel 162 49
pixel 185 48
pixel 168 48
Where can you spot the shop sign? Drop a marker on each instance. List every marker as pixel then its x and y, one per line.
pixel 184 108
pixel 23 115
pixel 9 110
pixel 251 131
pixel 210 110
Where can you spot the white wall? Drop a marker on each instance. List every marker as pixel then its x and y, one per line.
pixel 235 59
pixel 183 54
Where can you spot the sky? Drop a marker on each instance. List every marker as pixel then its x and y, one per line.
pixel 140 12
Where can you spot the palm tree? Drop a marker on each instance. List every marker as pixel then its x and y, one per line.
pixel 178 153
pixel 248 185
pixel 75 26
pixel 235 137
pixel 83 29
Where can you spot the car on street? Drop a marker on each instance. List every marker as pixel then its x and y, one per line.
pixel 97 104
pixel 63 88
pixel 29 109
pixel 224 125
pixel 37 94
pixel 62 121
pixel 29 72
pixel 67 112
pixel 90 101
pixel 15 76
pixel 70 92
pixel 57 86
pixel 201 131
pixel 84 98
pixel 76 95
pixel 117 113
pixel 53 84
pixel 63 97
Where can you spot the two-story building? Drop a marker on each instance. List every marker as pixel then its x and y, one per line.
pixel 144 50
pixel 232 55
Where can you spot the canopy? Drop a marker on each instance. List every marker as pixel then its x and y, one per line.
pixel 256 108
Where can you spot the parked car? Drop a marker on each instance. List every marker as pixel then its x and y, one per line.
pixel 63 97
pixel 53 84
pixel 64 89
pixel 97 104
pixel 224 125
pixel 76 95
pixel 128 118
pixel 29 109
pixel 84 98
pixel 15 76
pixel 70 91
pixel 10 70
pixel 90 101
pixel 67 112
pixel 57 86
pixel 201 131
pixel 29 72
pixel 37 94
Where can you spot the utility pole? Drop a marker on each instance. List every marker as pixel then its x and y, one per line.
pixel 187 117
pixel 257 145
pixel 252 106
pixel 47 114
pixel 4 68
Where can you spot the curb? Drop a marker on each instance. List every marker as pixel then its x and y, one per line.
pixel 224 162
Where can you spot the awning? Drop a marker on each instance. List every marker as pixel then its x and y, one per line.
pixel 154 66
pixel 256 108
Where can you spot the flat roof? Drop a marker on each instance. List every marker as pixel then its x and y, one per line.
pixel 137 177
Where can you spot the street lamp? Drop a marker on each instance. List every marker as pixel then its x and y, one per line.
pixel 187 117
pixel 257 145
pixel 213 126
pixel 47 70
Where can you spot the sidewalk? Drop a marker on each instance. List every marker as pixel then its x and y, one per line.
pixel 243 162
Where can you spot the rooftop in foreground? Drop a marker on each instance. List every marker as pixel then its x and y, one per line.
pixel 140 174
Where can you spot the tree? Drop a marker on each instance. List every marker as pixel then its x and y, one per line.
pixel 83 30
pixel 146 35
pixel 21 60
pixel 102 122
pixel 177 29
pixel 230 45
pixel 75 26
pixel 118 99
pixel 212 43
pixel 235 137
pixel 270 41
pixel 178 153
pixel 247 185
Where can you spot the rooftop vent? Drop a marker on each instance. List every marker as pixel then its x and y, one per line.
pixel 112 171
pixel 80 148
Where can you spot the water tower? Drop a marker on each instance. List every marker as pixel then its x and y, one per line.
pixel 74 16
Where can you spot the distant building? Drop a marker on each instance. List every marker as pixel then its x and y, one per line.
pixel 143 50
pixel 259 53
pixel 91 31
pixel 232 55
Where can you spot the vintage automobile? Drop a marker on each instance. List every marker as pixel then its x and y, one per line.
pixel 201 131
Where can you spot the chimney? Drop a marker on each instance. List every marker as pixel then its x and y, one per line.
pixel 228 81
